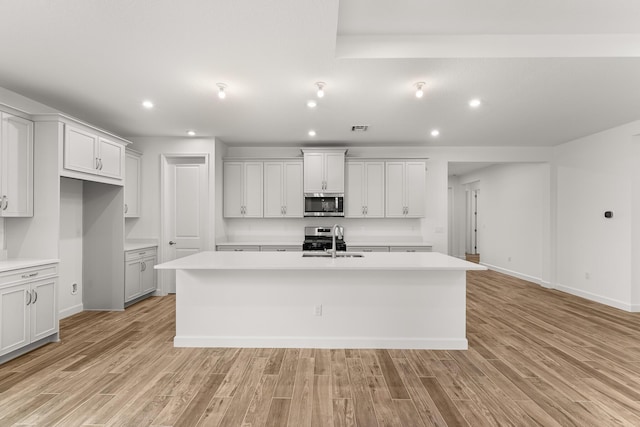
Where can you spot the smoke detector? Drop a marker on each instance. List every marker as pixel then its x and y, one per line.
pixel 359 128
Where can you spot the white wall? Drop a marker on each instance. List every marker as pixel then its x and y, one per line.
pixel 513 218
pixel 148 225
pixel 71 260
pixel 594 254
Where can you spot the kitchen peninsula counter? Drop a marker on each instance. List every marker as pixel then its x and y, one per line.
pixel 282 299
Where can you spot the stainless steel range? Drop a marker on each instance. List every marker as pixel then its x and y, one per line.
pixel 320 239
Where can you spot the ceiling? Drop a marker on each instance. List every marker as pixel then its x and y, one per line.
pixel 546 71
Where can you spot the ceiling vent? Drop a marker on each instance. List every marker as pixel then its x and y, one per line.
pixel 359 128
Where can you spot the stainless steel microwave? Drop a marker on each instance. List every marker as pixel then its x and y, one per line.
pixel 323 204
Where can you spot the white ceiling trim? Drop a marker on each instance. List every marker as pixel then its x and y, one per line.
pixel 488 46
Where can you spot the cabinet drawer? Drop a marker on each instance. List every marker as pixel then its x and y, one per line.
pixel 141 253
pixel 367 248
pixel 281 248
pixel 28 274
pixel 410 248
pixel 239 248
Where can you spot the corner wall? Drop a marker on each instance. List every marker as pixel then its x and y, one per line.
pixel 597 257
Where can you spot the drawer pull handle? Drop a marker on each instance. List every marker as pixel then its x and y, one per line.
pixel 35 297
pixel 28 276
pixel 141 253
pixel 30 297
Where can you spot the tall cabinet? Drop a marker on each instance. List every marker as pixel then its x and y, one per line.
pixel 16 166
pixel 242 189
pixel 283 189
pixel 364 195
pixel 405 189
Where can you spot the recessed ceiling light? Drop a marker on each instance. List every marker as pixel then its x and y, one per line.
pixel 147 104
pixel 311 103
pixel 320 92
pixel 419 90
pixel 191 133
pixel 222 94
pixel 475 103
pixel 312 133
pixel 435 132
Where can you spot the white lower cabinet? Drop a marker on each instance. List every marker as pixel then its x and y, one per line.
pixel 410 248
pixel 28 306
pixel 139 274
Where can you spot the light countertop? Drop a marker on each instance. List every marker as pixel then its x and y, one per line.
pixel 349 242
pixel 295 261
pixel 15 264
pixel 136 245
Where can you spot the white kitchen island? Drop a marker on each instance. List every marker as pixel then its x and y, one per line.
pixel 282 299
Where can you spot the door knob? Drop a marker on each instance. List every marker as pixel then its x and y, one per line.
pixel 171 242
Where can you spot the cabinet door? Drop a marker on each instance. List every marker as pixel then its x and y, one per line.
pixel 334 173
pixel 232 192
pixel 148 281
pixel 394 193
pixel 16 166
pixel 314 173
pixel 354 202
pixel 292 187
pixel 14 317
pixel 44 311
pixel 132 186
pixel 80 150
pixel 111 158
pixel 253 190
pixel 273 189
pixel 132 286
pixel 374 189
pixel 415 187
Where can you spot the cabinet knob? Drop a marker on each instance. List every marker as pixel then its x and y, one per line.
pixel 171 242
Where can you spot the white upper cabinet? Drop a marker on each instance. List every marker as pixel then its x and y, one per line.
pixel 324 171
pixel 16 166
pixel 364 196
pixel 405 189
pixel 243 190
pixel 87 152
pixel 283 189
pixel 132 195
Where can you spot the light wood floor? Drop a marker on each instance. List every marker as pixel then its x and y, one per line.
pixel 536 357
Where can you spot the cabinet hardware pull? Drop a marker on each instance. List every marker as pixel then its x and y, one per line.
pixel 30 297
pixel 126 208
pixel 100 163
pixel 5 199
pixel 171 242
pixel 142 253
pixel 97 163
pixel 143 266
pixel 35 298
pixel 27 276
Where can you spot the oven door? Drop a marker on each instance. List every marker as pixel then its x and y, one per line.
pixel 323 204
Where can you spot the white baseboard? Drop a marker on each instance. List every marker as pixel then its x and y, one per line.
pixel 526 277
pixel 78 308
pixel 599 298
pixel 323 342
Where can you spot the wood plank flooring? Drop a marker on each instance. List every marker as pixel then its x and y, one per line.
pixel 536 357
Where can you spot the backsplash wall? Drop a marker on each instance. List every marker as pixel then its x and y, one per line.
pixel 292 229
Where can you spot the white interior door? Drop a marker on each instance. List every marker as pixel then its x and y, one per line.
pixel 184 210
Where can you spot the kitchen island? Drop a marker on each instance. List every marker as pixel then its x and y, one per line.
pixel 291 299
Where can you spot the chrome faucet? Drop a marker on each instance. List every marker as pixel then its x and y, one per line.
pixel 335 230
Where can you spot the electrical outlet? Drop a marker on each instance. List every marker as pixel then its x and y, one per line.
pixel 319 310
pixel 509 259
pixel 587 276
pixel 74 289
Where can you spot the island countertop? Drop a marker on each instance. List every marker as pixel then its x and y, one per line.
pixel 296 261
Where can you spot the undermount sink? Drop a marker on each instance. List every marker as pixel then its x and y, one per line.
pixel 325 255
